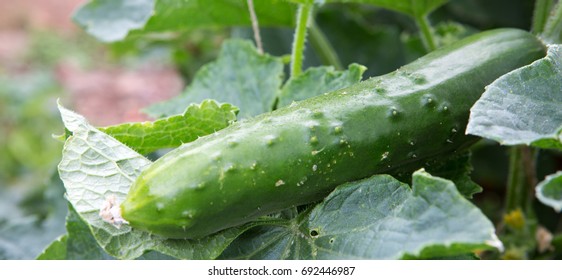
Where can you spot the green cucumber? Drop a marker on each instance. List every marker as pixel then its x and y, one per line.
pixel 298 154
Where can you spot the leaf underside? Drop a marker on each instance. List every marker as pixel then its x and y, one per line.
pixel 523 106
pixel 95 166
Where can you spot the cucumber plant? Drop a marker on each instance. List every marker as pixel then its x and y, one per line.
pixel 287 176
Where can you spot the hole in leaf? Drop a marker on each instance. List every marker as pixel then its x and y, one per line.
pixel 314 233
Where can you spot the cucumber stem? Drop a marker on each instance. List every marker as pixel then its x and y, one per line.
pixel 297 54
pixel 255 26
pixel 426 32
pixel 323 48
pixel 521 179
pixel 553 25
pixel 540 15
pixel 514 181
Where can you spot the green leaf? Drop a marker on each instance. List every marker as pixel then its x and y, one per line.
pixel 318 80
pixel 457 169
pixel 549 191
pixel 56 250
pixel 77 244
pixel 376 218
pixel 523 106
pixel 95 166
pixel 173 15
pixel 81 244
pixel 410 7
pixel 171 132
pixel 240 76
pixel 112 20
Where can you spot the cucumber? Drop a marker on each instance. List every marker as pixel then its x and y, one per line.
pixel 298 154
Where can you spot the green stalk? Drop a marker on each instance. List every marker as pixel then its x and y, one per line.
pixel 426 32
pixel 540 15
pixel 553 26
pixel 521 179
pixel 514 181
pixel 297 54
pixel 323 48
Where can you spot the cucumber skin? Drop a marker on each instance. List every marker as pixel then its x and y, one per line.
pixel 298 154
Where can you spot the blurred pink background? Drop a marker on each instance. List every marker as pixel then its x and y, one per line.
pixel 107 93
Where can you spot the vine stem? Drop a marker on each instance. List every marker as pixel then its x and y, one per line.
pixel 323 47
pixel 255 26
pixel 425 32
pixel 521 178
pixel 553 24
pixel 540 15
pixel 297 53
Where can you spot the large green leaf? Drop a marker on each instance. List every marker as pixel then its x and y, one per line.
pixel 197 120
pixel 523 106
pixel 114 20
pixel 95 166
pixel 376 218
pixel 549 191
pixel 181 15
pixel 410 7
pixel 240 76
pixel 318 80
